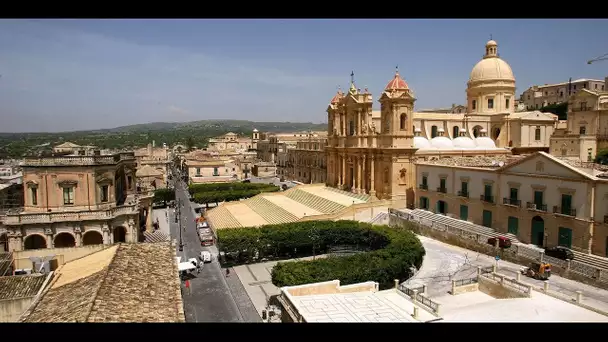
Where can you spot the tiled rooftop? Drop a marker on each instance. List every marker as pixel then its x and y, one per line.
pixel 24 286
pixel 126 283
pixel 493 162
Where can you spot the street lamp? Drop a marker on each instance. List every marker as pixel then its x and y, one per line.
pixel 181 243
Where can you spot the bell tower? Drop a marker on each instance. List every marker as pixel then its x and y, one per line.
pixel 397 114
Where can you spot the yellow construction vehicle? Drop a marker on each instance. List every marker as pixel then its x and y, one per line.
pixel 537 270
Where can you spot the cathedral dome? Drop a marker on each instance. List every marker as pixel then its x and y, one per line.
pixel 491 67
pixel 464 142
pixel 339 95
pixel 419 141
pixel 484 142
pixel 440 142
pixel 397 83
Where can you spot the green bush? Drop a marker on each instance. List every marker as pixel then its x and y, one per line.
pixel 232 186
pixel 163 196
pixel 390 251
pixel 220 192
pixel 559 109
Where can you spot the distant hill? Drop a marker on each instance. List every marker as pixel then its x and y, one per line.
pixel 171 133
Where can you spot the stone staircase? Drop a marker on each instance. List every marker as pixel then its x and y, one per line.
pixel 381 218
pixel 313 201
pixel 591 260
pixel 362 197
pixel 6 261
pixel 269 211
pixel 222 217
pixel 156 236
pixel 465 225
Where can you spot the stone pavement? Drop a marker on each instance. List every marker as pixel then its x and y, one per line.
pixel 163 220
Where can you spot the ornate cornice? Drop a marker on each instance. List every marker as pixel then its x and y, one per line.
pixel 67 183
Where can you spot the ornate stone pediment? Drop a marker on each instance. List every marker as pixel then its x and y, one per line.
pixel 104 181
pixel 48 231
pixel 67 183
pixel 32 184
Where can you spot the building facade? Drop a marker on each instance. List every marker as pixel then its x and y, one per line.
pixel 308 161
pixel 72 201
pixel 541 199
pixel 375 152
pixel 211 167
pixel 232 141
pixel 276 143
pixel 537 97
pixel 586 130
pixel 154 163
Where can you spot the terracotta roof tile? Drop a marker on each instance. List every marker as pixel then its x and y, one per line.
pixel 141 284
pixel 24 286
pixel 397 83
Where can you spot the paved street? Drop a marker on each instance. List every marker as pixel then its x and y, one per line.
pixel 210 298
pixel 444 262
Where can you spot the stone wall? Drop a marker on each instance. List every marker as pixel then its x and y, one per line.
pixel 465 288
pixel 11 309
pixel 62 255
pixel 497 290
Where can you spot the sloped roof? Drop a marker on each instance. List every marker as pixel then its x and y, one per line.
pixel 147 171
pixel 24 286
pixel 123 283
pixel 67 144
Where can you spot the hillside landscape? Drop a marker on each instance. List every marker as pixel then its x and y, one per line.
pixel 14 145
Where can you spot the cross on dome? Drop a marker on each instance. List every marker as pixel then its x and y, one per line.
pixel 397 83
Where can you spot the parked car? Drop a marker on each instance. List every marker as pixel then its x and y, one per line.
pixel 559 252
pixel 503 242
pixel 205 256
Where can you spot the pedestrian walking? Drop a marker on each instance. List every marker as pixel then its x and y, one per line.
pixel 227 272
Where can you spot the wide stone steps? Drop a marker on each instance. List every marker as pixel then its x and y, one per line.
pixel 269 211
pixel 315 202
pixel 362 197
pixel 222 218
pixel 157 236
pixel 591 260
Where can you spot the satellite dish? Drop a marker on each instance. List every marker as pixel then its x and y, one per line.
pixel 501 164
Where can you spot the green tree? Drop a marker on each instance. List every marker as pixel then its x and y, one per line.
pixel 559 109
pixel 602 157
pixel 190 143
pixel 164 195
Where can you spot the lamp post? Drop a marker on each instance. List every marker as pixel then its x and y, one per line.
pixel 179 219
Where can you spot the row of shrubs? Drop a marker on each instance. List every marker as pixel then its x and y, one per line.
pixel 220 192
pixel 391 252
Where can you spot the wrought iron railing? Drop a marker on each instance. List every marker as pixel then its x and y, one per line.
pixel 564 211
pixel 511 201
pixel 536 206
pixel 463 193
pixel 487 199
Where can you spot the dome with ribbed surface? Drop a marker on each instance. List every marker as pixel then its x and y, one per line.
pixel 491 67
pixel 464 142
pixel 397 83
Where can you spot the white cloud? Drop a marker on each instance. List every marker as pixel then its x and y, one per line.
pixel 177 110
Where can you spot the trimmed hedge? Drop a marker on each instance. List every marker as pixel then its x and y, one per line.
pixel 163 196
pixel 390 251
pixel 220 192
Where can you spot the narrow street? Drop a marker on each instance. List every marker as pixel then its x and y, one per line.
pixel 209 298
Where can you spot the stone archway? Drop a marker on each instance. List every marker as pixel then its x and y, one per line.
pixel 477 131
pixel 34 241
pixel 538 231
pixel 92 237
pixel 495 132
pixel 3 242
pixel 64 240
pixel 120 234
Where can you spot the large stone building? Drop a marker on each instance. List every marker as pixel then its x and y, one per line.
pixel 375 152
pixel 72 201
pixel 274 144
pixel 539 198
pixel 537 96
pixel 307 161
pixel 153 165
pixel 234 142
pixel 586 130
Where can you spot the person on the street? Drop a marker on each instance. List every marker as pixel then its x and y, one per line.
pixel 227 272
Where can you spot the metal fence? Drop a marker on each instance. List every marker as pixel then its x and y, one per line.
pixel 482 234
pixel 463 282
pixel 410 290
pixel 420 298
pixel 508 282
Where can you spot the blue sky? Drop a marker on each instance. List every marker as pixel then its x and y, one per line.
pixel 59 75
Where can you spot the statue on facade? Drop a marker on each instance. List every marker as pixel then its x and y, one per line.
pixel 364 128
pixel 372 127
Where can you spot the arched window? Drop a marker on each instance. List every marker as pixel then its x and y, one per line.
pixel 402 120
pixel 433 131
pixel 455 131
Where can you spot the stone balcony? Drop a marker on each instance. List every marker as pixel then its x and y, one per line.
pixel 78 160
pixel 106 211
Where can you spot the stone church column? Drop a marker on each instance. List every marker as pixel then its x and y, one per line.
pixel 149 226
pixel 78 236
pixel 49 237
pixel 372 185
pixel 358 124
pixel 359 171
pixel 354 172
pixel 364 174
pixel 343 182
pixel 105 231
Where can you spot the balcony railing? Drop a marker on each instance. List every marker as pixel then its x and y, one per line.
pixel 442 190
pixel 535 206
pixel 564 211
pixel 463 193
pixel 86 215
pixel 487 199
pixel 511 201
pixel 423 186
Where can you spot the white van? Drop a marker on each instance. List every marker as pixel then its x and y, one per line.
pixel 205 256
